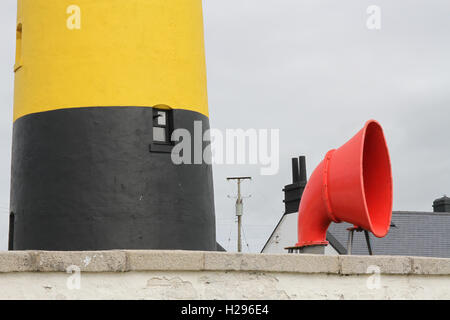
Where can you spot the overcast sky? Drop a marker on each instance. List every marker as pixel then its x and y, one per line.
pixel 315 71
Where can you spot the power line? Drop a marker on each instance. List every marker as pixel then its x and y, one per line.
pixel 229 238
pixel 245 239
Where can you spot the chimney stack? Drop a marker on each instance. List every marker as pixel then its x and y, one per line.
pixel 293 192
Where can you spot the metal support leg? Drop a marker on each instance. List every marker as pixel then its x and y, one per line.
pixel 366 233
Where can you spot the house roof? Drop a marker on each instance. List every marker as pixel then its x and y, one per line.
pixel 424 234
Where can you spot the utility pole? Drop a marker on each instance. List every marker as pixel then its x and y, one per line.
pixel 239 208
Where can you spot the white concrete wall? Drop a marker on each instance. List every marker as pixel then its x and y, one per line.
pixel 220 285
pixel 201 275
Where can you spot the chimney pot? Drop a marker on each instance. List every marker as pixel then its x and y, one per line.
pixel 442 204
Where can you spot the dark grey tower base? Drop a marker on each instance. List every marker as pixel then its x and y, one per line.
pixel 86 179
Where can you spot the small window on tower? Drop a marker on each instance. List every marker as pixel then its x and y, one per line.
pixel 18 63
pixel 161 126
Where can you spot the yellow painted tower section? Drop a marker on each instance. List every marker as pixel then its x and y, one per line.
pixel 104 53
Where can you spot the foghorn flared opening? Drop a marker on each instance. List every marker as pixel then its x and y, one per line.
pixel 377 179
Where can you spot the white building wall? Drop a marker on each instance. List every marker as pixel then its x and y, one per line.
pixel 285 235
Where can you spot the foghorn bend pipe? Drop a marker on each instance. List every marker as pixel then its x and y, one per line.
pixel 352 184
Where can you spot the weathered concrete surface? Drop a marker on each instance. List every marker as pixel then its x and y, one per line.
pixel 211 275
pixel 386 264
pixel 271 263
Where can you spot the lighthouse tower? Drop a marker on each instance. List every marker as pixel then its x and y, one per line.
pixel 100 86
